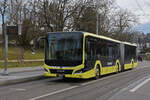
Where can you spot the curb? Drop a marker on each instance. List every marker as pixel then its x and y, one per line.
pixel 21 80
pixel 25 71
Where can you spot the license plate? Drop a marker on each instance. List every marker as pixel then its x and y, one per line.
pixel 61 75
pixel 60 71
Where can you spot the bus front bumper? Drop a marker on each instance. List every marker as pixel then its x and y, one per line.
pixel 85 75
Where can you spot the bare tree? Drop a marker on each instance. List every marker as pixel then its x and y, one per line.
pixel 123 21
pixel 58 14
pixel 70 15
pixel 24 12
pixel 15 11
pixel 88 17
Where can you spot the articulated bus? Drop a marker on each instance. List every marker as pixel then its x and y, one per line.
pixel 85 55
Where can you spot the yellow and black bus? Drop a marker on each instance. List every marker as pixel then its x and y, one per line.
pixel 85 55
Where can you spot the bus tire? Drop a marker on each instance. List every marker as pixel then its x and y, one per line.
pixel 97 72
pixel 132 65
pixel 117 68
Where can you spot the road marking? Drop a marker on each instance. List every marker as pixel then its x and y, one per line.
pixel 140 85
pixel 52 93
pixel 87 83
pixel 128 87
pixel 143 67
pixel 104 78
pixel 18 89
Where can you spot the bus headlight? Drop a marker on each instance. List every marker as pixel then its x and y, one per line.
pixel 46 69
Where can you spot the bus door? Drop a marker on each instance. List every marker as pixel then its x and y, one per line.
pixel 102 52
pixel 112 54
pixel 90 53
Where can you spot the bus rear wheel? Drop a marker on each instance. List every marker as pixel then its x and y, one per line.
pixel 97 72
pixel 132 65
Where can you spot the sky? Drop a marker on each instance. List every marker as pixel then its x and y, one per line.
pixel 141 8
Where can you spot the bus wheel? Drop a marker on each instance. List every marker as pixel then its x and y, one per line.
pixel 117 68
pixel 132 65
pixel 97 72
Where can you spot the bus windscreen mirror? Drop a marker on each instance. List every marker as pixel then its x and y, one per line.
pixel 37 43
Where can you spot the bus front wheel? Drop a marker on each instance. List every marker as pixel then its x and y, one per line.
pixel 97 72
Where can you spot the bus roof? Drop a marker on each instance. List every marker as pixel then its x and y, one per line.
pixel 76 32
pixel 98 36
pixel 110 39
pixel 131 44
pixel 102 37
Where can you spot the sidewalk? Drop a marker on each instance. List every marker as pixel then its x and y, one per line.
pixel 19 75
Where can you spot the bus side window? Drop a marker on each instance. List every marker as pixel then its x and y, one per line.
pixel 87 49
pixel 110 54
pixel 98 49
pixel 105 49
pixel 116 52
pixel 90 51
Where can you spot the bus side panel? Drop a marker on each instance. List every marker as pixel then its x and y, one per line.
pixel 130 59
pixel 135 64
pixel 136 58
pixel 108 70
pixel 107 52
pixel 128 66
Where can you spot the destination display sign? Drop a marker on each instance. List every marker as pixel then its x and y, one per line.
pixel 12 30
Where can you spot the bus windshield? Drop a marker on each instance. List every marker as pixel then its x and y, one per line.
pixel 63 49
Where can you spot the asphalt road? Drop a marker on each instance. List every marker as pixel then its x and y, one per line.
pixel 75 89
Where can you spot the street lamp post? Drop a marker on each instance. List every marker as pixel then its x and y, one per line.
pixel 97 30
pixel 97 17
pixel 6 49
